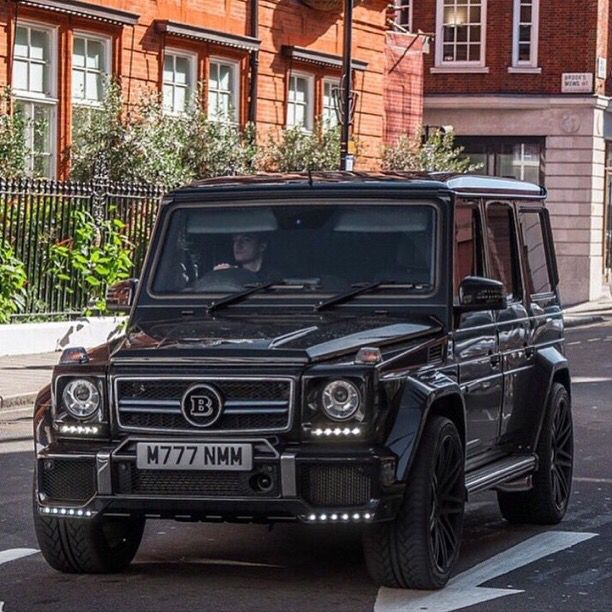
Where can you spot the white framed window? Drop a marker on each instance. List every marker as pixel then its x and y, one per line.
pixel 461 33
pixel 34 82
pixel 403 14
pixel 300 101
pixel 223 90
pixel 90 68
pixel 179 80
pixel 330 102
pixel 525 34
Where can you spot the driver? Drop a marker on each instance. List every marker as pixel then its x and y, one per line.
pixel 249 252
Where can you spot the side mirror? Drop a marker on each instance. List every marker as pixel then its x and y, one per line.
pixel 478 293
pixel 120 296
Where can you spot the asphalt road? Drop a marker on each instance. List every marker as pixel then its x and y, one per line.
pixel 247 567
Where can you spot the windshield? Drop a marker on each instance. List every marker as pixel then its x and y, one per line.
pixel 323 248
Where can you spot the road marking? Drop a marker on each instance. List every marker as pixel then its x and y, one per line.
pixel 13 554
pixel 574 343
pixel 463 590
pixel 591 379
pixel 587 479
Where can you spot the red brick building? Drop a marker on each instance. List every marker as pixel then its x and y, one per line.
pixel 276 62
pixel 527 86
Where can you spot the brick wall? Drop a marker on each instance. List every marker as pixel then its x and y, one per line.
pixel 571 34
pixel 138 55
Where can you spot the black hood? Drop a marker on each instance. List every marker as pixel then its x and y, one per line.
pixel 301 339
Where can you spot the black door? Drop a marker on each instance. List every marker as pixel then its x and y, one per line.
pixel 475 346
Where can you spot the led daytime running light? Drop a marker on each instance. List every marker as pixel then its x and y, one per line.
pixel 336 431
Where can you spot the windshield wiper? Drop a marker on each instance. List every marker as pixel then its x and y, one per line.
pixel 234 298
pixel 349 295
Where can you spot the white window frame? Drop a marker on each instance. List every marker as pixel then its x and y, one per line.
pixel 399 7
pixel 50 99
pixel 310 104
pixel 234 93
pixel 333 83
pixel 460 66
pixel 530 65
pixel 192 59
pixel 108 70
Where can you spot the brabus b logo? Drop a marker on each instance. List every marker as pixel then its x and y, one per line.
pixel 202 405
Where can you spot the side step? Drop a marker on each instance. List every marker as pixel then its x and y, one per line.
pixel 502 471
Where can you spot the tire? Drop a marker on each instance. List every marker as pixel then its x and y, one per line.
pixel 81 546
pixel 418 549
pixel 546 503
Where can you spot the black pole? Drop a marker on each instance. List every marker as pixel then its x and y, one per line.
pixel 347 86
pixel 254 63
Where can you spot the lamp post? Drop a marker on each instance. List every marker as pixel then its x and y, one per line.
pixel 346 158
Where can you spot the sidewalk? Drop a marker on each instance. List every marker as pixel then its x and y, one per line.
pixel 22 377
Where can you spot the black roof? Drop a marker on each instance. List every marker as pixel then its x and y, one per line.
pixel 466 184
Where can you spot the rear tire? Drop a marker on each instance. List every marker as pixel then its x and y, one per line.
pixel 418 549
pixel 88 546
pixel 546 503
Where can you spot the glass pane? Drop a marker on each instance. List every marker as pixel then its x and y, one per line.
pixel 42 127
pixel 525 33
pixel 449 34
pixel 38 44
pixel 475 14
pixel 37 78
pixel 20 75
pixel 531 152
pixel 449 16
pixel 475 33
pixel 169 68
pixel 524 52
pixel 78 54
pixel 180 96
pixel 213 78
pixel 500 235
pixel 41 165
pixel 469 259
pixel 532 174
pixel 182 71
pixel 301 89
pixel 78 84
pixel 525 14
pixel 21 42
pixel 474 53
pixel 291 114
pixel 461 53
pixel 448 53
pixel 167 92
pixel 95 54
pixel 213 104
pixel 538 278
pixel 300 115
pixel 462 33
pixel 94 86
pixel 225 78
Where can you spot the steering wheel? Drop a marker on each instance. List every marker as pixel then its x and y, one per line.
pixel 228 279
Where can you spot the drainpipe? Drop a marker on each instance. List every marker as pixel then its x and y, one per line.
pixel 254 61
pixel 346 159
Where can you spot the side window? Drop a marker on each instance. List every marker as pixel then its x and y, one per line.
pixel 503 252
pixel 469 256
pixel 534 253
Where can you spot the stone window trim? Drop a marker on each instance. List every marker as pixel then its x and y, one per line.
pixel 234 91
pixel 460 65
pixel 107 70
pixel 47 100
pixel 190 87
pixel 534 23
pixel 309 104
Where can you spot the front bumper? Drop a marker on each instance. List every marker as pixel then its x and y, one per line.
pixel 323 483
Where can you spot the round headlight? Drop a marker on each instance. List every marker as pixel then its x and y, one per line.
pixel 81 398
pixel 340 400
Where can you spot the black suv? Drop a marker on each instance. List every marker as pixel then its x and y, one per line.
pixel 360 349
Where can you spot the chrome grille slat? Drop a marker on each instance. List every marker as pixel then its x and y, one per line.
pixel 251 404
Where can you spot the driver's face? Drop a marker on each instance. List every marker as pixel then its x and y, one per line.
pixel 247 248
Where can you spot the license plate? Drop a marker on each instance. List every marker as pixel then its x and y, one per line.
pixel 197 456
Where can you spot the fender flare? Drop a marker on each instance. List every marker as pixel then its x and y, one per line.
pixel 415 404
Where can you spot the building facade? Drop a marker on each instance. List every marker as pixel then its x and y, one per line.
pixel 526 85
pixel 275 62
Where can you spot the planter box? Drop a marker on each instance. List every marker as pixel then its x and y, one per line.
pixel 30 338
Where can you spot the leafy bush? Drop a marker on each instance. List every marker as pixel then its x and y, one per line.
pixel 12 284
pixel 98 255
pixel 437 154
pixel 13 149
pixel 294 150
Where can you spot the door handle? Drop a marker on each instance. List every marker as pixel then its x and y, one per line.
pixel 495 359
pixel 529 351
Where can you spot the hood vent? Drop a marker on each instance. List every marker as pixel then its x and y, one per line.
pixel 434 354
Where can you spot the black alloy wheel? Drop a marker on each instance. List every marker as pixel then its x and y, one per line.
pixel 546 502
pixel 419 548
pixel 447 501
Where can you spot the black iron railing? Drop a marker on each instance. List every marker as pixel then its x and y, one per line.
pixel 35 214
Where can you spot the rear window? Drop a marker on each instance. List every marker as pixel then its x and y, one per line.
pixel 534 253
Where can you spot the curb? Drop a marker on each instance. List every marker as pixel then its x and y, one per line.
pixel 15 401
pixel 581 321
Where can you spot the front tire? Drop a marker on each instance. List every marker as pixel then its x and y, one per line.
pixel 546 503
pixel 81 546
pixel 418 549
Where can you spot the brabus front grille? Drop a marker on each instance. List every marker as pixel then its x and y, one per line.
pixel 250 405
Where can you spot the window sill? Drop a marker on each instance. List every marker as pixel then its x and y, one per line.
pixel 459 70
pixel 524 70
